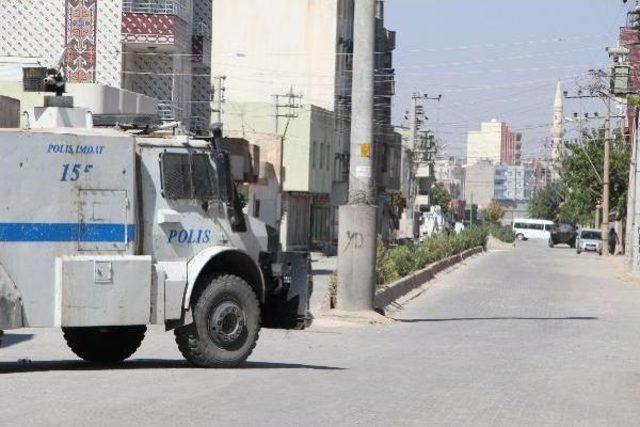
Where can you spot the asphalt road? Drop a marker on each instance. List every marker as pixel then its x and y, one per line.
pixel 532 336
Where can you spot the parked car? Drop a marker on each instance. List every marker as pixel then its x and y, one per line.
pixel 563 233
pixel 589 240
pixel 525 229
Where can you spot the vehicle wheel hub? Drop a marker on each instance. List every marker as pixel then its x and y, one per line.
pixel 226 323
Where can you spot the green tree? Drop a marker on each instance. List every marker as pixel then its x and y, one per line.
pixel 493 213
pixel 581 171
pixel 545 204
pixel 440 196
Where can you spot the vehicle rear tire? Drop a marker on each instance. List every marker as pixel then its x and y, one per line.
pixel 226 324
pixel 111 344
pixel 578 251
pixel 520 237
pixel 551 244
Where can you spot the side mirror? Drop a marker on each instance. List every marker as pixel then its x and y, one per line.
pixel 228 192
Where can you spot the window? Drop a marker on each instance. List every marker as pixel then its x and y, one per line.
pixel 313 154
pixel 256 208
pixel 328 164
pixel 321 156
pixel 187 176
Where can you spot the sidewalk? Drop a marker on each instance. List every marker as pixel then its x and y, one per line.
pixel 323 266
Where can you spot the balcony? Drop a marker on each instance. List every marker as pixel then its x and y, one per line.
pixel 201 44
pixel 177 8
pixel 156 24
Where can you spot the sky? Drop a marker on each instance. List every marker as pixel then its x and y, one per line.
pixel 498 59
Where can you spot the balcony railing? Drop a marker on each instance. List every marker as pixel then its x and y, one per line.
pixel 201 29
pixel 168 7
pixel 169 112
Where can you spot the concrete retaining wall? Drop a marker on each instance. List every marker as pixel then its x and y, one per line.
pixel 393 291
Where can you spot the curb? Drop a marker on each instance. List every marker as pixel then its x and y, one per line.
pixel 396 290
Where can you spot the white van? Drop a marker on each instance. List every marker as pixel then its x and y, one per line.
pixel 532 228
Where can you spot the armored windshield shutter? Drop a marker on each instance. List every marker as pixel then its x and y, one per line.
pixel 203 177
pixel 176 176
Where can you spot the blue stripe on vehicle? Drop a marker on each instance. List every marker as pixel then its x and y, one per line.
pixel 65 232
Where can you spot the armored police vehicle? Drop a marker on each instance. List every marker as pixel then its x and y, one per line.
pixel 103 232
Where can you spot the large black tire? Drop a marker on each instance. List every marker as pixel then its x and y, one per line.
pixel 111 344
pixel 551 244
pixel 226 324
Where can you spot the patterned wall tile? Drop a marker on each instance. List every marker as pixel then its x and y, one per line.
pixel 33 28
pixel 109 50
pixel 81 20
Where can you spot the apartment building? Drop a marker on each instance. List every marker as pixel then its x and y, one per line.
pixel 495 142
pixel 298 57
pixel 159 48
pixel 514 183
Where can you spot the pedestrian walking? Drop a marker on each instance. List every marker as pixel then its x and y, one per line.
pixel 613 241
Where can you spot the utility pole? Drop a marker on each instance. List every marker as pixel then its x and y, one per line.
pixel 292 102
pixel 218 94
pixel 419 146
pixel 606 177
pixel 598 92
pixel 358 220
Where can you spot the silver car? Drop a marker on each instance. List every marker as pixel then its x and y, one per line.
pixel 589 240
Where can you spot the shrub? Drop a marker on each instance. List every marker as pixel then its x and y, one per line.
pixel 504 234
pixel 397 262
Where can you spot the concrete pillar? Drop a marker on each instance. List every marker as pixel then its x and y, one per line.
pixel 357 257
pixel 358 220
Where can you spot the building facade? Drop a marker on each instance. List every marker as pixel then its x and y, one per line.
pixel 299 161
pixel 514 183
pixel 479 186
pixel 304 48
pixel 494 142
pixel 159 48
pixel 450 172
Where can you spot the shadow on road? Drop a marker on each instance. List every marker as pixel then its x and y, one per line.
pixel 7 340
pixel 78 365
pixel 493 318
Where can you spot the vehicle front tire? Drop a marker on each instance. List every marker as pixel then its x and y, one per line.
pixel 520 237
pixel 226 324
pixel 111 344
pixel 551 244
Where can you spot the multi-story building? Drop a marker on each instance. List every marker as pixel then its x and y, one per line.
pixel 305 48
pixel 494 142
pixel 417 175
pixel 302 159
pixel 479 183
pixel 450 172
pixel 514 183
pixel 294 47
pixel 159 48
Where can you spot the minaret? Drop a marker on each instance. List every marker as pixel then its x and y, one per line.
pixel 557 129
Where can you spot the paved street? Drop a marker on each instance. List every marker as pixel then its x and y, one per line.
pixel 533 336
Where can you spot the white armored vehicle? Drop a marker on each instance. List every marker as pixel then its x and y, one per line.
pixel 103 232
